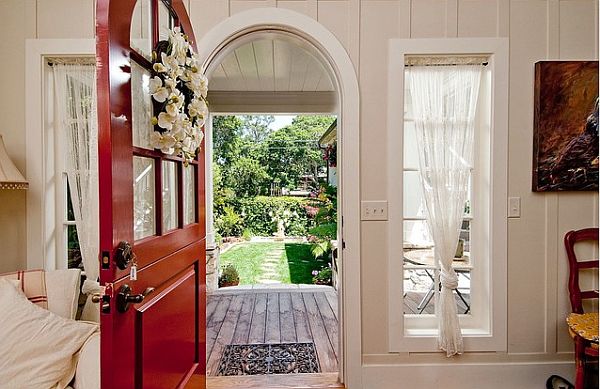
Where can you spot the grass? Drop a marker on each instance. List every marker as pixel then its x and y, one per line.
pixel 294 265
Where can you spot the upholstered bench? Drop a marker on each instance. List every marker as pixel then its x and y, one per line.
pixel 25 329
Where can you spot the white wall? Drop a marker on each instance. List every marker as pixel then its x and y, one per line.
pixel 538 29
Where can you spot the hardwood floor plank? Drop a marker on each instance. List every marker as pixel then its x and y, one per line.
pixel 225 334
pixel 259 316
pixel 331 323
pixel 242 330
pixel 286 319
pixel 303 333
pixel 212 300
pixel 272 328
pixel 327 358
pixel 213 326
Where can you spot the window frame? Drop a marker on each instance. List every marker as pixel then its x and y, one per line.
pixel 484 330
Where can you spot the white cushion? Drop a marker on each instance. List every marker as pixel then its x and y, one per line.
pixel 62 287
pixel 38 347
pixel 87 375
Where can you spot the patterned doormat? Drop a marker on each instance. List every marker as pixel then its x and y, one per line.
pixel 279 358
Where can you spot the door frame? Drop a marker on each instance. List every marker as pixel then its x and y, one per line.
pixel 342 72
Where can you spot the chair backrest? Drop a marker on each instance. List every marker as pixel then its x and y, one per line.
pixel 575 293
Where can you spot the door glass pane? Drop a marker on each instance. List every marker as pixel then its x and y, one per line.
pixel 144 223
pixel 141 28
pixel 141 107
pixel 189 195
pixel 165 21
pixel 416 234
pixel 169 195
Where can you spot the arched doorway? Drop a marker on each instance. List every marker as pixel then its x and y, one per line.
pixel 239 28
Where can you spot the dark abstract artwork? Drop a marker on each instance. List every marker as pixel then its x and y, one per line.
pixel 565 143
pixel 259 359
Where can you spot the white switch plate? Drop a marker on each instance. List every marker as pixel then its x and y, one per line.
pixel 514 207
pixel 374 210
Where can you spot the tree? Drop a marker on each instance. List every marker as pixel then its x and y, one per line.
pixel 256 127
pixel 227 139
pixel 247 177
pixel 292 152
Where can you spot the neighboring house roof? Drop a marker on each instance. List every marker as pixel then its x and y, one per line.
pixel 330 136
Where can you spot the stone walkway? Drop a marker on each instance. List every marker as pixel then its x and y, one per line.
pixel 269 267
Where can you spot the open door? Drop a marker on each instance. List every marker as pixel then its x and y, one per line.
pixel 151 213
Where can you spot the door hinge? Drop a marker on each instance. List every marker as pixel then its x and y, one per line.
pixel 343 244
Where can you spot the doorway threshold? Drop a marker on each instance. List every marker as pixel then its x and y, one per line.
pixel 276 381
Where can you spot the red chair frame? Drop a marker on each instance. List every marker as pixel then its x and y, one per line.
pixel 583 348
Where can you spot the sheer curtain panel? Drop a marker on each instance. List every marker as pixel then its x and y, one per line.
pixel 76 116
pixel 444 99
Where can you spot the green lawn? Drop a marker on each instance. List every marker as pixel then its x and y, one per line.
pixel 289 263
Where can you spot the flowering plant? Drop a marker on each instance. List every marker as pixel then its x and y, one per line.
pixel 331 155
pixel 178 88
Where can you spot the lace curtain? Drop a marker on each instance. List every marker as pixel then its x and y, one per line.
pixel 75 92
pixel 444 100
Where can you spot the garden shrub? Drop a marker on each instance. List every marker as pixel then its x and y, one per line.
pixel 261 213
pixel 230 223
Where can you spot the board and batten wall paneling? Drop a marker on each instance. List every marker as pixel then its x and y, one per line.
pixel 526 235
pixel 17 25
pixel 66 18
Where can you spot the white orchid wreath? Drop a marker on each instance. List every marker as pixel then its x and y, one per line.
pixel 178 87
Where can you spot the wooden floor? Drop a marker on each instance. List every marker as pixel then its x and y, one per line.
pixel 273 316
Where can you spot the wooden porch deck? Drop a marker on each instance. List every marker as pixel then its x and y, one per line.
pixel 252 316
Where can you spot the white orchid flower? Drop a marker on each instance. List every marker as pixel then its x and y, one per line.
pixel 170 83
pixel 159 67
pixel 172 109
pixel 197 108
pixel 166 121
pixel 176 97
pixel 157 90
pixel 164 142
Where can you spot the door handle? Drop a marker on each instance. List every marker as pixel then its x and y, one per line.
pixel 125 297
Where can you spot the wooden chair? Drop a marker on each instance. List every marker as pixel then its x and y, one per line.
pixel 585 350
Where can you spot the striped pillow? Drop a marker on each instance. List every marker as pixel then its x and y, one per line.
pixel 32 283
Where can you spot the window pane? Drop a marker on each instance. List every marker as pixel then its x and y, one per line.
pixel 70 212
pixel 165 21
pixel 419 291
pixel 73 252
pixel 141 109
pixel 143 198
pixel 411 156
pixel 141 28
pixel 416 234
pixel 169 196
pixel 414 203
pixel 189 195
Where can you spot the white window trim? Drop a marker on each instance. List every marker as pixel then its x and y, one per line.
pixel 492 338
pixel 44 197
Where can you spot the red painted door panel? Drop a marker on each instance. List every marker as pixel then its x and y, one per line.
pixel 159 340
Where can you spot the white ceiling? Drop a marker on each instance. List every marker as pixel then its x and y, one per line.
pixel 270 64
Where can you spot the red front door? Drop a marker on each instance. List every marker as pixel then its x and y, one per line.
pixel 153 324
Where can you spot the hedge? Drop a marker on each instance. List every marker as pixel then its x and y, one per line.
pixel 260 214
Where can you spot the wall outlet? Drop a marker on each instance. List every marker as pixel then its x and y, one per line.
pixel 514 207
pixel 374 210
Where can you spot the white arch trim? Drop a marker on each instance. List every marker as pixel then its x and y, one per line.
pixel 324 41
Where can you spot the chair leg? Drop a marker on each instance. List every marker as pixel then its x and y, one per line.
pixel 579 363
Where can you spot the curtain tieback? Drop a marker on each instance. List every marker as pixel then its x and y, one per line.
pixel 449 279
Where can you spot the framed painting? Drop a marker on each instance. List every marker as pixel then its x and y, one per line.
pixel 565 132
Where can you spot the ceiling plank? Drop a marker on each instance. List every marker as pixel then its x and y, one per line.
pixel 247 63
pixel 298 69
pixel 233 72
pixel 314 71
pixel 282 57
pixel 263 52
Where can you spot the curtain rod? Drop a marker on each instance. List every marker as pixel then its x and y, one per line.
pixel 422 60
pixel 71 61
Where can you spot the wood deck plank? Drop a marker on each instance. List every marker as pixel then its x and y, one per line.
pixel 213 326
pixel 225 334
pixel 284 381
pixel 331 323
pixel 325 352
pixel 259 316
pixel 242 330
pixel 286 319
pixel 301 325
pixel 272 328
pixel 332 297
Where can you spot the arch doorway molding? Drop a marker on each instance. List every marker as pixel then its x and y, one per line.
pixel 228 34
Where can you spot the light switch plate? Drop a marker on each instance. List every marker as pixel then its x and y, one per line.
pixel 374 210
pixel 514 207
